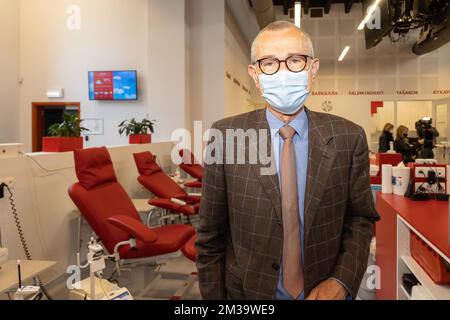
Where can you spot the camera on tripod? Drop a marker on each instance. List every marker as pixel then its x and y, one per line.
pixel 427 133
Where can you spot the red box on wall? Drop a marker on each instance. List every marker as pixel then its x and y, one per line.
pixel 61 144
pixel 430 261
pixel 140 138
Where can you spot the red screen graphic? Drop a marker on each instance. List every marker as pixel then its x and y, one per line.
pixel 103 85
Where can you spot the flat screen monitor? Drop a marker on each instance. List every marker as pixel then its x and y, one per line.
pixel 113 85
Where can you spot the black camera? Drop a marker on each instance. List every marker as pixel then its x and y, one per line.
pixel 424 128
pixel 427 133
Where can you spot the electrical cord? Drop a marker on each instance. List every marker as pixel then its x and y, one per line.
pixel 99 274
pixel 48 170
pixel 22 239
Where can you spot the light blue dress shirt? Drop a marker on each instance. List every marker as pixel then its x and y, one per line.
pixel 300 124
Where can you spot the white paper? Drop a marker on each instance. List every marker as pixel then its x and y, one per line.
pixel 386 178
pixel 400 180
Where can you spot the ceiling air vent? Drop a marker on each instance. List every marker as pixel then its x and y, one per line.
pixel 316 12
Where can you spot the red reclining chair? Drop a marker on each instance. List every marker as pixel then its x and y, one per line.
pixel 189 249
pixel 191 166
pixel 168 194
pixel 111 214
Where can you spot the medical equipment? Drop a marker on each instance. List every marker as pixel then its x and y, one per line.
pixel 95 287
pixel 7 184
pixel 108 209
pixel 26 292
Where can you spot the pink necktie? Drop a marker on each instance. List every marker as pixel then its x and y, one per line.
pixel 293 280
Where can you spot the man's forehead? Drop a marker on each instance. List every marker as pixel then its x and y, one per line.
pixel 271 43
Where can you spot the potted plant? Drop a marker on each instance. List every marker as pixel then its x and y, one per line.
pixel 137 132
pixel 64 136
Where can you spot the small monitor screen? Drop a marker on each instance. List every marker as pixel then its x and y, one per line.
pixel 112 85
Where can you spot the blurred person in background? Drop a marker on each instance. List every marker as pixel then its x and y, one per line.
pixel 386 137
pixel 403 146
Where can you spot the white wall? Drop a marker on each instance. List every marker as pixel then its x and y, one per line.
pixel 205 20
pixel 143 35
pixel 239 88
pixel 166 65
pixel 9 66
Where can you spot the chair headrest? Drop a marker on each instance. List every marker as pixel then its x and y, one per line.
pixel 94 167
pixel 146 163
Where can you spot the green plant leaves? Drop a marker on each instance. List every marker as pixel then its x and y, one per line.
pixel 135 127
pixel 70 127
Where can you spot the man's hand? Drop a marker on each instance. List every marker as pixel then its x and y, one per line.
pixel 328 290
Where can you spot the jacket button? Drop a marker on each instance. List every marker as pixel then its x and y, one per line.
pixel 276 267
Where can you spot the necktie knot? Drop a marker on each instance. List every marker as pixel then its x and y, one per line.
pixel 287 132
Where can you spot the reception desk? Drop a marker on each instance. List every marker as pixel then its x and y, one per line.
pixel 399 218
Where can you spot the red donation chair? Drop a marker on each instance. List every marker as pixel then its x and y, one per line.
pixel 168 194
pixel 111 214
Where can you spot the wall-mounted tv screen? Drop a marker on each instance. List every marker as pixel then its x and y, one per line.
pixel 112 85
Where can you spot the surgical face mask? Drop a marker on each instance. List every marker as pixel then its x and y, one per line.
pixel 285 91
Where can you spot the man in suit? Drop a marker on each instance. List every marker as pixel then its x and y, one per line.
pixel 304 230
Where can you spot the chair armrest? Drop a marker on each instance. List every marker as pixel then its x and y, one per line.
pixel 194 194
pixel 186 199
pixel 178 201
pixel 134 227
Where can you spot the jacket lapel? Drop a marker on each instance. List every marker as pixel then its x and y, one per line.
pixel 269 182
pixel 321 157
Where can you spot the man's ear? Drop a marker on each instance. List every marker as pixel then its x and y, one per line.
pixel 254 74
pixel 315 68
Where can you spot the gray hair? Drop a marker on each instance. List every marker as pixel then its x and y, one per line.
pixel 281 26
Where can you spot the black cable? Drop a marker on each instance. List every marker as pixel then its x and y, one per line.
pixel 23 241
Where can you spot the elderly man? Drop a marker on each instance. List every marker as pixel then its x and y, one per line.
pixel 304 231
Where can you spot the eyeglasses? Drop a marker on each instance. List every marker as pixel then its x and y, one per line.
pixel 295 63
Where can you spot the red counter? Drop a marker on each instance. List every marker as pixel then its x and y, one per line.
pixel 428 219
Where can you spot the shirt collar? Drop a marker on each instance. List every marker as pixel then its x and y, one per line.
pixel 299 123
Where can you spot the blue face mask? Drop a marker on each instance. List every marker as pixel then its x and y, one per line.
pixel 285 91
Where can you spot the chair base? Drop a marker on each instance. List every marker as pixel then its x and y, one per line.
pixel 180 294
pixel 189 280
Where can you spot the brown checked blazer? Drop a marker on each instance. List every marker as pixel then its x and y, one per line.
pixel 240 230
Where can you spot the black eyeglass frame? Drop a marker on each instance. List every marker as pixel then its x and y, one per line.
pixel 305 56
